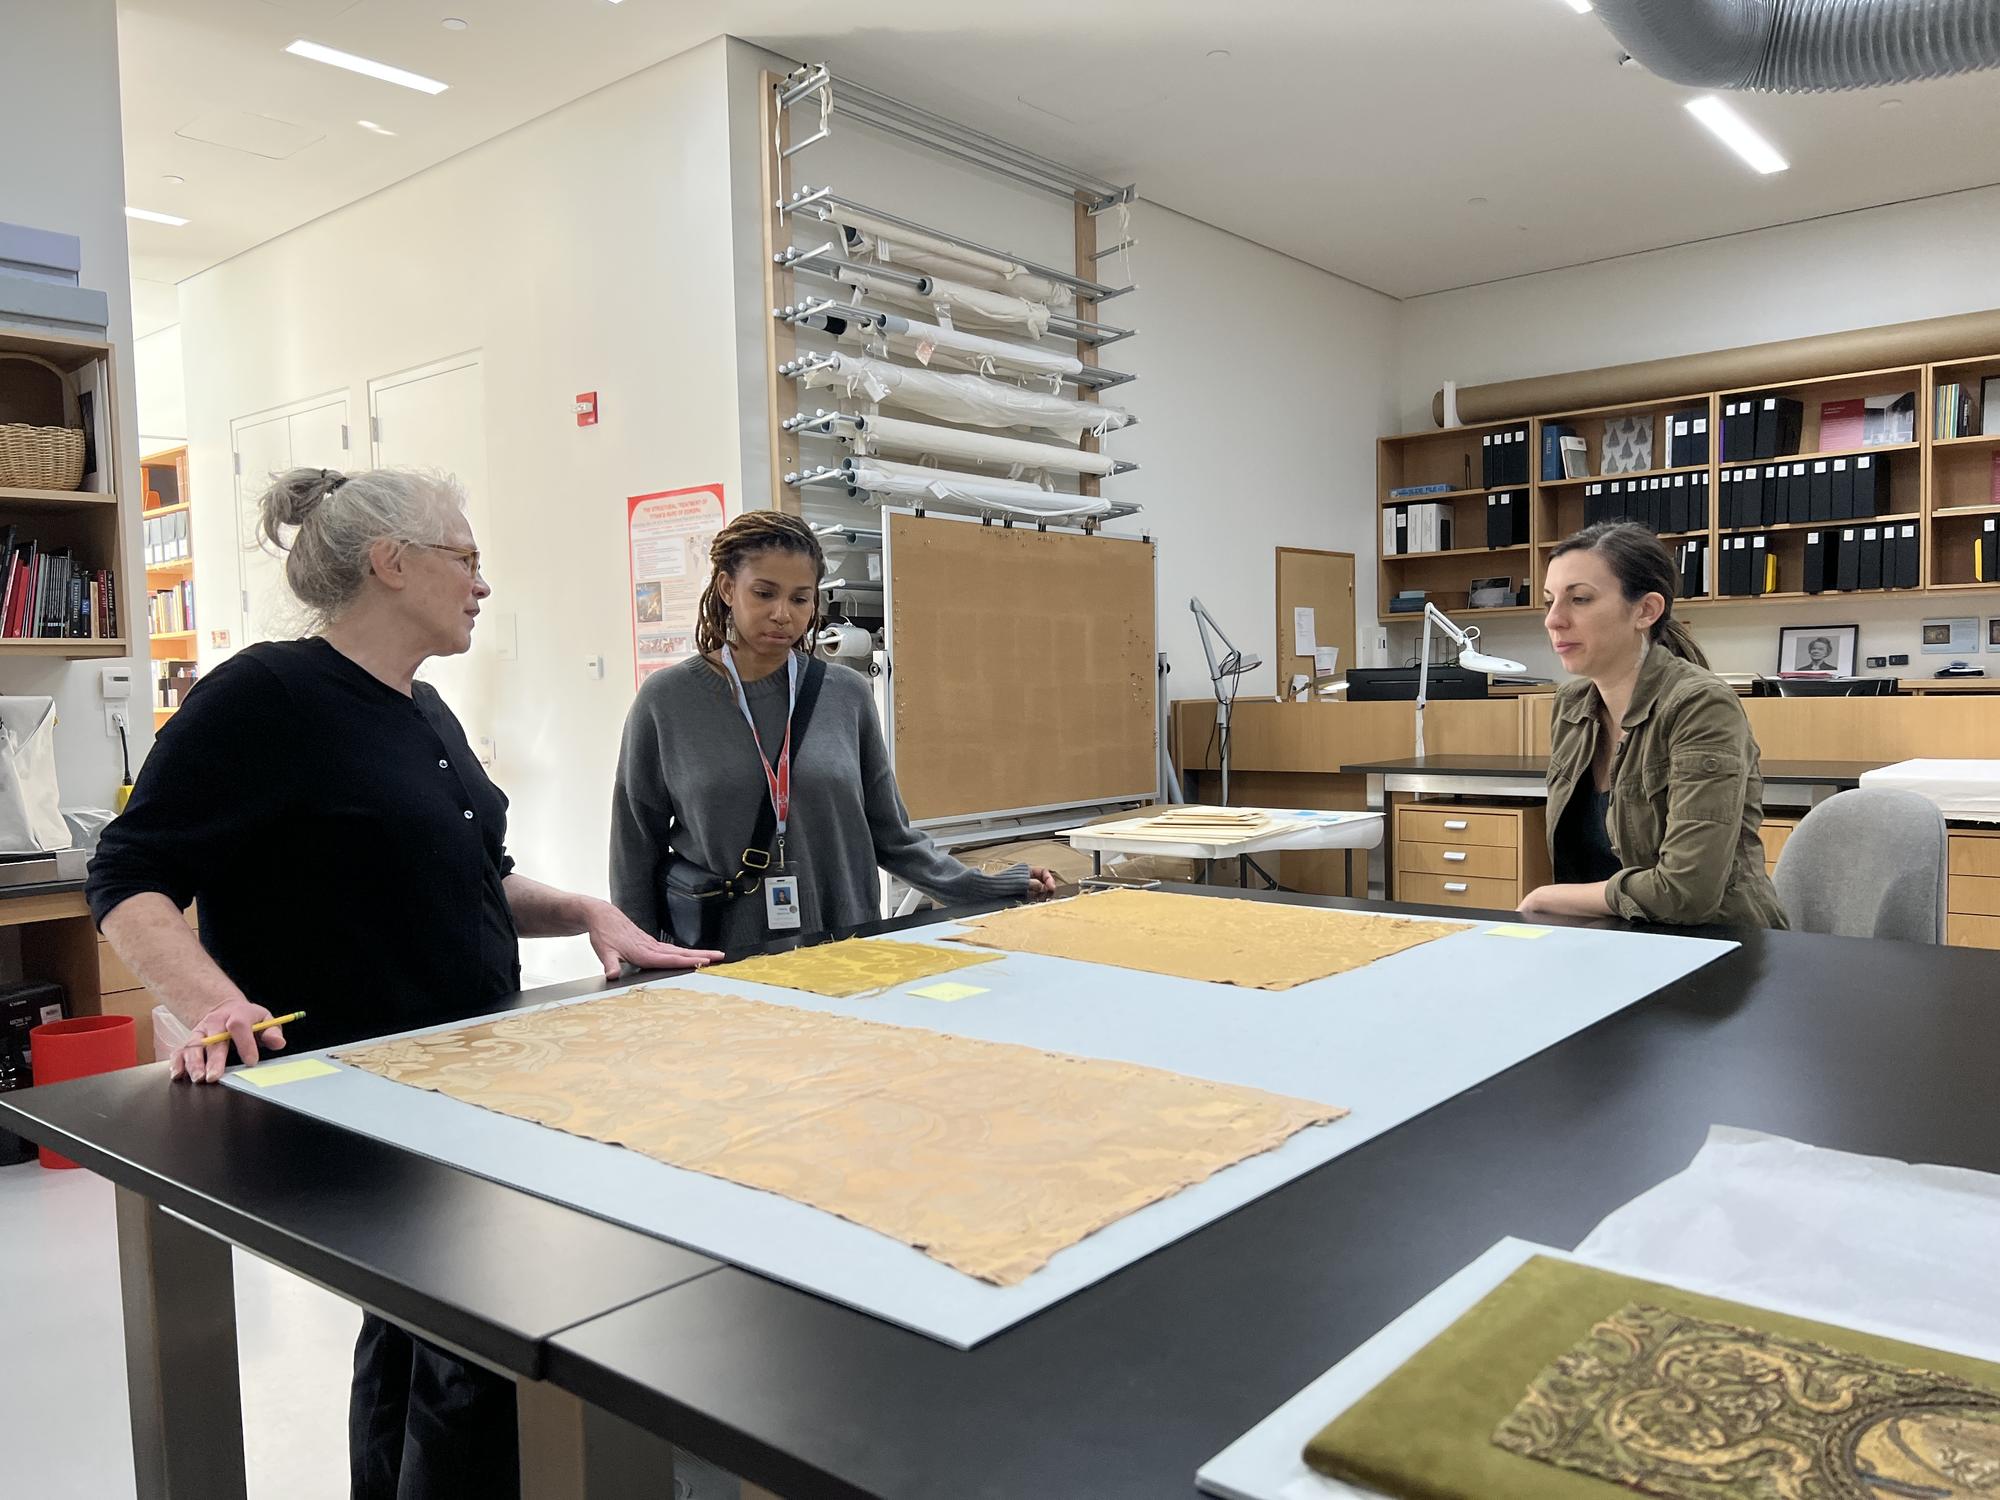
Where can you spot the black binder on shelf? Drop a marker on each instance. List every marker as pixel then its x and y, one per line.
pixel 1739 566
pixel 1489 472
pixel 1847 567
pixel 1868 573
pixel 1892 556
pixel 1871 486
pixel 1909 557
pixel 1687 443
pixel 1496 522
pixel 1760 553
pixel 1652 503
pixel 1739 430
pixel 1725 499
pixel 1840 487
pixel 1798 493
pixel 1698 488
pixel 1520 464
pixel 1820 492
pixel 1517 517
pixel 1677 505
pixel 1815 563
pixel 1780 420
pixel 1593 504
pixel 1402 530
pixel 1985 562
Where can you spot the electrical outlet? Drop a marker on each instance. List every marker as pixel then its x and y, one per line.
pixel 1902 660
pixel 114 719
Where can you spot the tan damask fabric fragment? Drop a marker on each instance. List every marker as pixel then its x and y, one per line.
pixel 845 970
pixel 986 1156
pixel 1260 945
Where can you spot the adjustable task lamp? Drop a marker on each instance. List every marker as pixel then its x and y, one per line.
pixel 1224 671
pixel 1469 655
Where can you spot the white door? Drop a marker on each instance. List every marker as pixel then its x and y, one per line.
pixel 306 434
pixel 435 418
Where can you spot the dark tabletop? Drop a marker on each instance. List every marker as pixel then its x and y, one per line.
pixel 489 1268
pixel 1822 772
pixel 1128 1387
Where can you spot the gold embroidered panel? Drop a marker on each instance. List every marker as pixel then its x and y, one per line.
pixel 986 1156
pixel 1260 945
pixel 1690 1409
pixel 845 970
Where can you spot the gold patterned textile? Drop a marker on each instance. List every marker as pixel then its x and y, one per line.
pixel 844 970
pixel 1260 945
pixel 1690 1409
pixel 985 1156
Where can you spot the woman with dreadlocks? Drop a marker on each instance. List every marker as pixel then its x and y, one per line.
pixel 754 796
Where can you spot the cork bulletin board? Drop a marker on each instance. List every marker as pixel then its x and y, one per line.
pixel 1022 666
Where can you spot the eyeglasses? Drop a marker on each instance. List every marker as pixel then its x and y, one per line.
pixel 466 557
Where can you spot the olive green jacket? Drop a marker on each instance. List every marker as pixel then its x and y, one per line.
pixel 1686 796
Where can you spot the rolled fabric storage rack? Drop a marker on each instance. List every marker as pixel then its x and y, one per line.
pixel 895 245
pixel 878 477
pixel 967 304
pixel 869 434
pixel 971 399
pixel 858 325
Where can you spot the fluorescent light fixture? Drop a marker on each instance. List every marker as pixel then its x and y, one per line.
pixel 1581 7
pixel 1736 133
pixel 152 218
pixel 366 65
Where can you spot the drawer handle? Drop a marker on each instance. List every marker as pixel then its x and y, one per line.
pixel 1457 856
pixel 1456 825
pixel 1455 885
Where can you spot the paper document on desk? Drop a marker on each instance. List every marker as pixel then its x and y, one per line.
pixel 1960 788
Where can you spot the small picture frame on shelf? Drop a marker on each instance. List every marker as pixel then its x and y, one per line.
pixel 1993 634
pixel 1831 649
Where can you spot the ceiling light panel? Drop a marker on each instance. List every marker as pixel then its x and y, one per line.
pixel 367 66
pixel 1737 134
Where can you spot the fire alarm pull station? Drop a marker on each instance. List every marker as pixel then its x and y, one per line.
pixel 586 409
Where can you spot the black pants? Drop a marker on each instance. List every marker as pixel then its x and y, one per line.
pixel 425 1425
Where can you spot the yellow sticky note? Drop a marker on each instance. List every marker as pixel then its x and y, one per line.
pixel 1515 930
pixel 948 991
pixel 270 1075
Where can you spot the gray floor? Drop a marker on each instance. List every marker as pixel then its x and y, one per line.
pixel 63 1347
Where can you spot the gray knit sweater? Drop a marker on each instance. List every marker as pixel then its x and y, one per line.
pixel 688 782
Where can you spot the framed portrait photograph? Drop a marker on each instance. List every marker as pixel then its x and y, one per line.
pixel 1993 635
pixel 1819 648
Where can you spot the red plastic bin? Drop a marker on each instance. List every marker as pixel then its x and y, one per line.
pixel 78 1048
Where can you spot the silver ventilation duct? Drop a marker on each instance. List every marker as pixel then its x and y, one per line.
pixel 1805 46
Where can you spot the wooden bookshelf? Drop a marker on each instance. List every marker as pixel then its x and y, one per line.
pixel 168 497
pixel 87 522
pixel 1946 487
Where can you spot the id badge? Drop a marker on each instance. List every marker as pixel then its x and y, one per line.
pixel 781 903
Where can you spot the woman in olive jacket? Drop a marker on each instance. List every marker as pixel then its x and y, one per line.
pixel 1655 796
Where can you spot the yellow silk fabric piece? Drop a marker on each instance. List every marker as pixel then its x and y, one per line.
pixel 844 970
pixel 985 1156
pixel 1256 944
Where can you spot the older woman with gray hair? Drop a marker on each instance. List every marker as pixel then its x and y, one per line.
pixel 349 858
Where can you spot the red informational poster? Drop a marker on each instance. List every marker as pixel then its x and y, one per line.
pixel 1841 424
pixel 669 535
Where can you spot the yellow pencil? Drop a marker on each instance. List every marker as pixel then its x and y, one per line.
pixel 223 1036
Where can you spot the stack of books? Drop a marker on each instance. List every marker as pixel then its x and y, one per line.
pixel 1409 602
pixel 1956 411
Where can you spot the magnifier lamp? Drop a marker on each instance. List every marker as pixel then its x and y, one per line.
pixel 1469 656
pixel 1224 671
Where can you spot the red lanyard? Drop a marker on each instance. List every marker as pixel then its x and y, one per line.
pixel 777 779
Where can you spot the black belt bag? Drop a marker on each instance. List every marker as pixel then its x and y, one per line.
pixel 695 899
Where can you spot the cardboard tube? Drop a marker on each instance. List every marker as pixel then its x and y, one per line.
pixel 1927 341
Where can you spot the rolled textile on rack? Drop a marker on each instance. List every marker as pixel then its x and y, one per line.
pixel 895 245
pixel 947 486
pixel 858 325
pixel 965 304
pixel 869 434
pixel 972 399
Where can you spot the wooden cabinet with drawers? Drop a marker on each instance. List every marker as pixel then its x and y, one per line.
pixel 1774 833
pixel 1452 854
pixel 1972 888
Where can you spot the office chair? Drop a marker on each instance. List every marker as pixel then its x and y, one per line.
pixel 1867 863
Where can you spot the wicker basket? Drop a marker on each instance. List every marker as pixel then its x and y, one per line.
pixel 42 452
